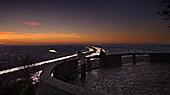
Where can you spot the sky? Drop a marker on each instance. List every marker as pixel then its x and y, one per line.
pixel 82 22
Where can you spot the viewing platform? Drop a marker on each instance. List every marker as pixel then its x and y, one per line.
pixel 123 74
pixel 142 78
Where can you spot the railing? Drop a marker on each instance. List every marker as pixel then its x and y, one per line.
pixel 51 79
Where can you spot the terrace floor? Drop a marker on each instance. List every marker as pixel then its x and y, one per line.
pixel 142 78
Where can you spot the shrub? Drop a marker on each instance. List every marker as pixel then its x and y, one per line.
pixel 28 90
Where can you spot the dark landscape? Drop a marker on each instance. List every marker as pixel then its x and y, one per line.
pixel 84 47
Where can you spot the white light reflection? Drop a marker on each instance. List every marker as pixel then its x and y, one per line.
pixel 36 64
pixel 96 53
pixel 50 61
pixel 53 51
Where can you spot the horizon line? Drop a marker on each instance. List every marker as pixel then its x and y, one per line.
pixel 78 44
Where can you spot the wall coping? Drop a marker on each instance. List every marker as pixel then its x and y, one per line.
pixel 73 89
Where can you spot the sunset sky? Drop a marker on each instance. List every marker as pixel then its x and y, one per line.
pixel 82 21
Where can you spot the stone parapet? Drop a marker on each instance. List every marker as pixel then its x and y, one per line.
pixel 52 86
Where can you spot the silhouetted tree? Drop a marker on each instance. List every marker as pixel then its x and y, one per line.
pixel 166 11
pixel 27 66
pixel 10 86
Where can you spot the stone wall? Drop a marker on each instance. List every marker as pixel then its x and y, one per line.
pixel 113 60
pixel 52 86
pixel 65 70
pixel 159 57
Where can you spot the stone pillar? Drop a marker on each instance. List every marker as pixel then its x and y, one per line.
pixel 133 58
pixel 88 64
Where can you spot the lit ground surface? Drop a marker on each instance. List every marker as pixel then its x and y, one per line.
pixel 141 79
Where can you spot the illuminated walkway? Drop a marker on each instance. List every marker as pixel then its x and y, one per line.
pixel 140 79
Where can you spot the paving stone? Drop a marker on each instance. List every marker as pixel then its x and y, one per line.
pixel 139 79
pixel 120 93
pixel 120 90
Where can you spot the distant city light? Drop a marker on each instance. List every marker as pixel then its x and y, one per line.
pixel 53 51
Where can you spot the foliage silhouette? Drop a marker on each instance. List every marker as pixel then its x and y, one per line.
pixel 165 12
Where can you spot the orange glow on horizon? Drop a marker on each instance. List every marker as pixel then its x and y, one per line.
pixel 4 33
pixel 49 38
pixel 73 41
pixel 16 38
